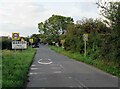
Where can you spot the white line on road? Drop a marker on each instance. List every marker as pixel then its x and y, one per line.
pixel 55 68
pixel 69 77
pixel 34 68
pixel 77 81
pixel 49 59
pixel 82 84
pixel 57 72
pixel 35 73
pixel 40 60
pixel 61 66
pixel 32 73
pixel 46 63
pixel 33 65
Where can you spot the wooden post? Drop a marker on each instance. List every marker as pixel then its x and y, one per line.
pixel 85 39
pixel 85 48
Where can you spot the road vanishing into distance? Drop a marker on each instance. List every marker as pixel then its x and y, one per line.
pixel 53 70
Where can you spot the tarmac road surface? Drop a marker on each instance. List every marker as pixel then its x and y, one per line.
pixel 53 70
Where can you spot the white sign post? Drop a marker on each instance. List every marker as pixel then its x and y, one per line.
pixel 85 39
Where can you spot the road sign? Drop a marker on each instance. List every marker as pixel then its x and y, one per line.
pixel 15 36
pixel 31 40
pixel 85 37
pixel 62 41
pixel 19 45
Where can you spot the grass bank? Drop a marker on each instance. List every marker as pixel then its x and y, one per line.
pixel 15 65
pixel 109 67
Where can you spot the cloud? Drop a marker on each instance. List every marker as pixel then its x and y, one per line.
pixel 24 15
pixel 48 0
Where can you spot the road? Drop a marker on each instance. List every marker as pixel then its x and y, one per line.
pixel 51 69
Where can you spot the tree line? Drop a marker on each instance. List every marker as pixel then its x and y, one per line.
pixel 103 35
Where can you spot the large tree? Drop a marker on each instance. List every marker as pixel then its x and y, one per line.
pixel 54 27
pixel 111 11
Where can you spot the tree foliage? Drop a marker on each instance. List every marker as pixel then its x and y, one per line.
pixel 53 27
pixel 111 11
pixel 103 36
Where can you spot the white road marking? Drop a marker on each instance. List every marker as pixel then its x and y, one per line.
pixel 57 72
pixel 69 77
pixel 49 59
pixel 33 65
pixel 40 60
pixel 79 86
pixel 61 66
pixel 82 84
pixel 55 67
pixel 32 73
pixel 46 63
pixel 34 68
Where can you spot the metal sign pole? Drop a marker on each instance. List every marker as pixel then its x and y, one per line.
pixel 15 51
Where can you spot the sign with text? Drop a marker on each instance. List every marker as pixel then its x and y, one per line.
pixel 19 45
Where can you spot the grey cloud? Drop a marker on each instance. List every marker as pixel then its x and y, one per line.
pixel 26 15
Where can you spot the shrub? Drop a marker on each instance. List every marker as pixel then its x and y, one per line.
pixel 6 44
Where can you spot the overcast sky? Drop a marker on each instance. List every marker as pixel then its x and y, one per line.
pixel 23 15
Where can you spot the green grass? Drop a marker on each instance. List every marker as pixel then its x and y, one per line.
pixel 15 66
pixel 109 67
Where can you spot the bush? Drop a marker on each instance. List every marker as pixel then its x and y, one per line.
pixel 6 44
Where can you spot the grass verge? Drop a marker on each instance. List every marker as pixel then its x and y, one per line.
pixel 109 67
pixel 15 66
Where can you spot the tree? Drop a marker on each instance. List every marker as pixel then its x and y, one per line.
pixel 74 34
pixel 54 27
pixel 111 11
pixel 36 38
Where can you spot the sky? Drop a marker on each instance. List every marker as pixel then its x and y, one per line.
pixel 23 16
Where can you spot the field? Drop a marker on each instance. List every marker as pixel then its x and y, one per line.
pixel 109 67
pixel 15 66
